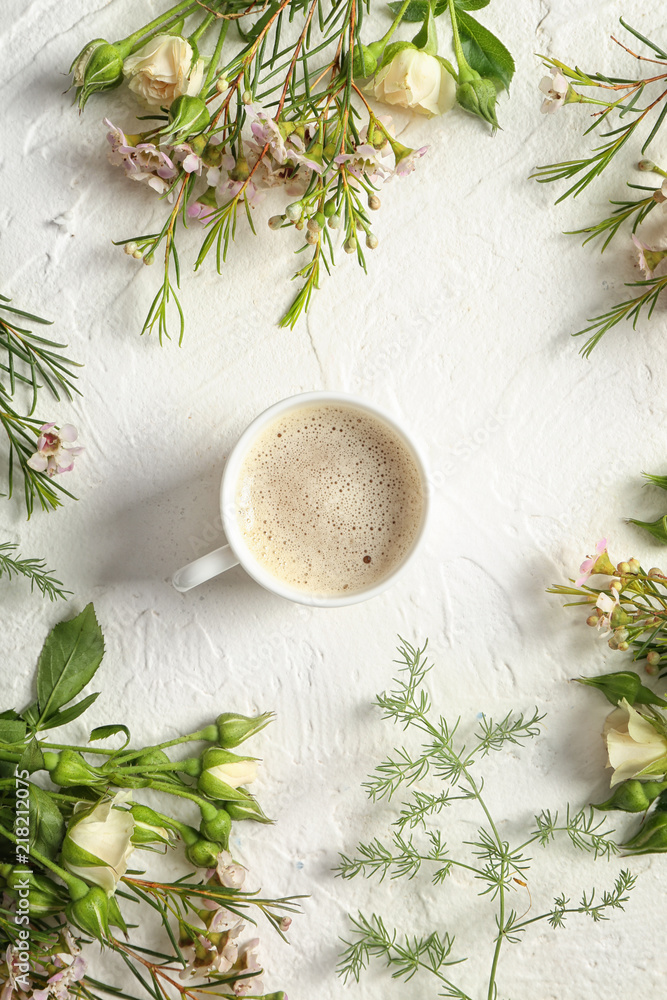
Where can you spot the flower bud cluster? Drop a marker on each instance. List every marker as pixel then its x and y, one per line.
pixel 630 605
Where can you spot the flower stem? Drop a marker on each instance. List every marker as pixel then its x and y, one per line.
pixel 70 880
pixel 199 31
pixel 168 15
pixel 397 20
pixel 208 810
pixel 462 62
pixel 207 734
pixel 215 58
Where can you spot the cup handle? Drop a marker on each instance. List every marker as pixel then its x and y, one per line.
pixel 204 568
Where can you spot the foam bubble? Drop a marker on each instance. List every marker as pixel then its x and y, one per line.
pixel 329 499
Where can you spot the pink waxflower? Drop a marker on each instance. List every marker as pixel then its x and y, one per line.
pixel 641 255
pixel 406 164
pixel 266 130
pixel 556 88
pixel 249 962
pixel 589 564
pixel 71 969
pixel 227 188
pixel 191 161
pixel 200 211
pixel 12 983
pixel 143 162
pixel 648 257
pixel 55 453
pixel 231 874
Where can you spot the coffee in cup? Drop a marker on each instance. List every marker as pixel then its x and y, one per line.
pixel 329 499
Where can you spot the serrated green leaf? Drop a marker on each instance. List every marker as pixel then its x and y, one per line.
pixel 104 732
pixel 47 826
pixel 484 51
pixel 12 731
pixel 31 758
pixel 72 653
pixel 418 9
pixel 69 714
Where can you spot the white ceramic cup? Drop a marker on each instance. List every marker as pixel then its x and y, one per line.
pixel 237 552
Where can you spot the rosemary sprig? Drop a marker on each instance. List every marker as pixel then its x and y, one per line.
pixel 33 570
pixel 37 364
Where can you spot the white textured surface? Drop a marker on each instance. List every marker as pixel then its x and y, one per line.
pixel 461 330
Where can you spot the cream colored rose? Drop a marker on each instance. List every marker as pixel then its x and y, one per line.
pixel 413 79
pixel 632 744
pixel 236 774
pixel 162 70
pixel 103 833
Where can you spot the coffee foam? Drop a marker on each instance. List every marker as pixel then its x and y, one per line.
pixel 329 499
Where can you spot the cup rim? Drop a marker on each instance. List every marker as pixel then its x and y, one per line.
pixel 228 508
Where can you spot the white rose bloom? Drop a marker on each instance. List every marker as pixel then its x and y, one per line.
pixel 414 79
pixel 106 833
pixel 632 743
pixel 160 71
pixel 235 774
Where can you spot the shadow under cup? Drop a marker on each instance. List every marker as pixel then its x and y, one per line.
pixel 234 513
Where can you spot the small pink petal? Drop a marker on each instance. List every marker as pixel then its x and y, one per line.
pixel 38 462
pixel 68 433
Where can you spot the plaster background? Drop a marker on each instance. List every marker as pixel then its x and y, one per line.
pixel 461 330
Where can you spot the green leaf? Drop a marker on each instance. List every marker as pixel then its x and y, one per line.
pixel 72 653
pixel 484 51
pixel 104 732
pixel 12 731
pixel 31 758
pixel 47 826
pixel 417 10
pixel 71 713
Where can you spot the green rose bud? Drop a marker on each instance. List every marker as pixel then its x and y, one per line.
pixel 634 796
pixel 478 96
pixel 652 838
pixel 45 897
pixel 223 774
pixel 217 829
pixel 68 768
pixel 364 62
pixel 149 827
pixel 98 67
pixel 203 853
pixel 248 808
pixel 188 116
pixel 234 729
pixel 623 684
pixel 656 528
pixel 90 913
